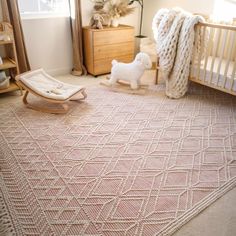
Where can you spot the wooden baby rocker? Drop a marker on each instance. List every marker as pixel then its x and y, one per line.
pixel 39 83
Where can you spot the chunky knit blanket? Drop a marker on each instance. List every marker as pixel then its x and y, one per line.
pixel 174 34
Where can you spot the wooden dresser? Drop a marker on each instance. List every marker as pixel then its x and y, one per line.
pixel 101 46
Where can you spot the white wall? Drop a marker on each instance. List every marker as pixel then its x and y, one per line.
pixel 48 43
pixel 152 6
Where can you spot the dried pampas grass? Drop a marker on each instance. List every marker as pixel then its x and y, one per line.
pixel 118 8
pixel 113 8
pixel 109 10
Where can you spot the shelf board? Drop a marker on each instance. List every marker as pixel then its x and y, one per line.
pixel 7 64
pixel 2 42
pixel 13 87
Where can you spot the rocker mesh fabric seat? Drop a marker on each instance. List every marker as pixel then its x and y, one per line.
pixel 39 83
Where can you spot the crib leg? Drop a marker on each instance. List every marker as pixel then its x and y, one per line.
pixel 156 79
pixel 157 68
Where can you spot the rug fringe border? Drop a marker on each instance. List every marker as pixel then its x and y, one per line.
pixel 6 224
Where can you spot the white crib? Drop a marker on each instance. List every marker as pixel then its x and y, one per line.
pixel 214 61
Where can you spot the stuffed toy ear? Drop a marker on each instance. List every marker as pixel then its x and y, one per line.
pixel 148 64
pixel 137 58
pixel 144 59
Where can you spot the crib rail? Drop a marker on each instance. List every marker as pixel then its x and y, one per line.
pixel 214 57
pixel 218 26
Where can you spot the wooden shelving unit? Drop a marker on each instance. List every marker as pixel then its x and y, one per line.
pixel 10 63
pixel 13 87
pixel 6 42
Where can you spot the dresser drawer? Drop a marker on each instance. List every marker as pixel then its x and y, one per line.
pixel 113 50
pixel 103 66
pixel 113 37
pixel 101 46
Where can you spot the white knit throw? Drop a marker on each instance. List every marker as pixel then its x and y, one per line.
pixel 174 34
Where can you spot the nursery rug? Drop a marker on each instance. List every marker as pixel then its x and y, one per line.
pixel 116 164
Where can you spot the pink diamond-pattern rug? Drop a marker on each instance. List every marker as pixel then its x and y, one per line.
pixel 116 164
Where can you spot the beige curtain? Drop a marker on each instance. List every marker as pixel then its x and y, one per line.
pixel 11 14
pixel 76 33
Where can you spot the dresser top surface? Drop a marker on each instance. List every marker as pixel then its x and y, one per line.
pixel 106 28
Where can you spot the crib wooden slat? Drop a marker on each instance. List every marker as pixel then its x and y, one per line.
pixel 194 50
pixel 214 53
pixel 233 77
pixel 230 56
pixel 221 57
pixel 209 46
pixel 202 28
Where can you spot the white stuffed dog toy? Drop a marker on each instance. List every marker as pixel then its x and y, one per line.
pixel 131 72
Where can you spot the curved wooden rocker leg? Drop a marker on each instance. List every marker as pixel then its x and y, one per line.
pixel 84 94
pixel 75 98
pixel 127 84
pixel 64 109
pixel 121 87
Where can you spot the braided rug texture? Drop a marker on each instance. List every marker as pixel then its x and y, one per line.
pixel 116 164
pixel 174 34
